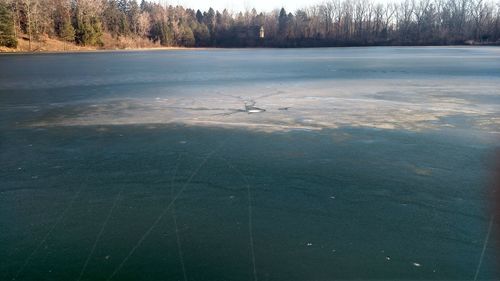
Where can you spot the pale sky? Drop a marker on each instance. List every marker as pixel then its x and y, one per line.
pixel 242 5
pixel 260 5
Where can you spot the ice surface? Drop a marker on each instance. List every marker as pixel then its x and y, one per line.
pixel 387 104
pixel 371 161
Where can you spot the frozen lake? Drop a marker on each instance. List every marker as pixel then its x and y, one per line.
pixel 289 164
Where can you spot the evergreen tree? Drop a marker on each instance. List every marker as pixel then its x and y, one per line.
pixel 283 22
pixel 160 31
pixel 133 14
pixel 67 32
pixel 123 21
pixel 112 18
pixel 199 16
pixel 88 31
pixel 201 35
pixel 209 19
pixel 187 38
pixel 7 32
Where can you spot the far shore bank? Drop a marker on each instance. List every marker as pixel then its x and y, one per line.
pixel 55 46
pixel 23 52
pixel 97 50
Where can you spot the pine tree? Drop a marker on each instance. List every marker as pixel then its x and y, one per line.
pixel 201 35
pixel 188 39
pixel 67 32
pixel 88 31
pixel 7 33
pixel 199 16
pixel 283 22
pixel 160 31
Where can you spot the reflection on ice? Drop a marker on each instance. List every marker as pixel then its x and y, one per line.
pixel 387 104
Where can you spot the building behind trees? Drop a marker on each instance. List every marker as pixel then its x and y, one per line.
pixel 334 23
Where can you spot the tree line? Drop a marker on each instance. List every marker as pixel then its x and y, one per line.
pixel 333 23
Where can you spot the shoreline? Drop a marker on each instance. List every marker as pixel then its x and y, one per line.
pixel 148 49
pixel 83 49
pixel 90 50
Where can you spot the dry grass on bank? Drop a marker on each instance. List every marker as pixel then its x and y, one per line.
pixel 46 44
pixel 124 43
